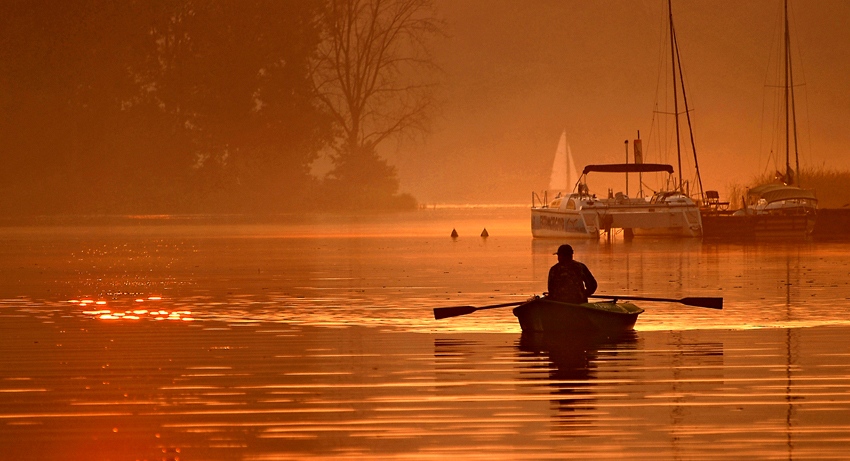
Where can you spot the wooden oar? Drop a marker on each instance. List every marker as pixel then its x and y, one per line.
pixel 455 311
pixel 446 312
pixel 711 303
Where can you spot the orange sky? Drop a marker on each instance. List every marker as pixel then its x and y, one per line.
pixel 516 74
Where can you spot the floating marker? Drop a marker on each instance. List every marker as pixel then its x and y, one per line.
pixel 484 233
pixel 454 234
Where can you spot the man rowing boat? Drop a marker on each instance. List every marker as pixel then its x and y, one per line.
pixel 570 281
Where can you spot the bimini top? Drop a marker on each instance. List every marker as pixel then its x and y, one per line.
pixel 629 168
pixel 776 192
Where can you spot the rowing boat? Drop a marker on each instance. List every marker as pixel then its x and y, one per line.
pixel 543 315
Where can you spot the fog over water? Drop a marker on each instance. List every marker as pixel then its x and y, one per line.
pixel 391 270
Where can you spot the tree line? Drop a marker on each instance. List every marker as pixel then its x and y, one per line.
pixel 213 106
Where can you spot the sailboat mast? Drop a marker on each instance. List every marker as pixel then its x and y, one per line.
pixel 790 89
pixel 690 126
pixel 788 179
pixel 675 92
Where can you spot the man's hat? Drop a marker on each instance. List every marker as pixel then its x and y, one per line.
pixel 564 250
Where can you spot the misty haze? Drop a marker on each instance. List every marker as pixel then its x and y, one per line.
pixel 424 229
pixel 156 107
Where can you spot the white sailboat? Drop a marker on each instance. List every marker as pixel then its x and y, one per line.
pixel 564 176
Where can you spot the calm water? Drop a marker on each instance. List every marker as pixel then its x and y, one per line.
pixel 199 338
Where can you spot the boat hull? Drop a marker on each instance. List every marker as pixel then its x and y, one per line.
pixel 757 227
pixel 774 212
pixel 547 222
pixel 542 315
pixel 642 219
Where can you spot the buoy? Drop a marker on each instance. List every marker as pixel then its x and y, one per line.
pixel 484 233
pixel 454 234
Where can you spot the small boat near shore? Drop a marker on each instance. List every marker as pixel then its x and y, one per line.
pixel 543 315
pixel 771 212
pixel 780 210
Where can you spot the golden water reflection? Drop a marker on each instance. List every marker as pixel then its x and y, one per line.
pixel 391 271
pixel 104 310
pixel 324 346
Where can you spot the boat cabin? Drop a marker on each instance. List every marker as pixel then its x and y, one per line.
pixel 780 199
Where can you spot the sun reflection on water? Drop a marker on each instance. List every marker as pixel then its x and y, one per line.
pixel 151 311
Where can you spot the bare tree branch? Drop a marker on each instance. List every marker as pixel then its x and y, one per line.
pixel 372 68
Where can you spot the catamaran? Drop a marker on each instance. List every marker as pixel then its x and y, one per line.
pixel 584 215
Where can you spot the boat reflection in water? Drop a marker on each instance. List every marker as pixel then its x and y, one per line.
pixel 570 364
pixel 617 386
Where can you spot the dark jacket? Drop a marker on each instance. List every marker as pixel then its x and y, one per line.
pixel 571 282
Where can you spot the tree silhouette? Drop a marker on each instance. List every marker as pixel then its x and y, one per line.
pixel 233 79
pixel 371 75
pixel 158 106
